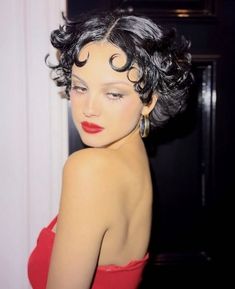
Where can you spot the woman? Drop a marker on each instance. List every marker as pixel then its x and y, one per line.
pixel 123 75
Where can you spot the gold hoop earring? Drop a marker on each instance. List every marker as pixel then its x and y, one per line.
pixel 144 125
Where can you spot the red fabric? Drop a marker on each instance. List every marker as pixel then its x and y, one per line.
pixel 107 277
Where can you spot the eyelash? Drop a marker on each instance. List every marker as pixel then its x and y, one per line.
pixel 79 89
pixel 112 95
pixel 115 96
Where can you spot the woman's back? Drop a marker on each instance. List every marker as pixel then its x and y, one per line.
pixel 131 205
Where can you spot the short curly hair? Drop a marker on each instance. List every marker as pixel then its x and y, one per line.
pixel 163 60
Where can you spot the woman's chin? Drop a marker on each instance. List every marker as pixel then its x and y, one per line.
pixel 92 143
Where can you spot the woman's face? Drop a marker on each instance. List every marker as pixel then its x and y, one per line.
pixel 105 106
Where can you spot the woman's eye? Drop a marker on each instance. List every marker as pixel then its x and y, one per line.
pixel 114 96
pixel 79 89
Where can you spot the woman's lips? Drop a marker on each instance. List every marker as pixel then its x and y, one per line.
pixel 90 127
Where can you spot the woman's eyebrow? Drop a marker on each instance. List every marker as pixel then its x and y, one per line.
pixel 106 83
pixel 78 78
pixel 117 82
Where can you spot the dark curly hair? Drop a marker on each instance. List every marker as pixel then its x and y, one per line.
pixel 163 61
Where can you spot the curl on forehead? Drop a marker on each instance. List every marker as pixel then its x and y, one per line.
pixel 104 51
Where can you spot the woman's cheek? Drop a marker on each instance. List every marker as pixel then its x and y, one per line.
pixel 132 110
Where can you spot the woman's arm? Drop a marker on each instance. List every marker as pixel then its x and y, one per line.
pixel 82 221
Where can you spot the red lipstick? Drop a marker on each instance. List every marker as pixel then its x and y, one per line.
pixel 90 127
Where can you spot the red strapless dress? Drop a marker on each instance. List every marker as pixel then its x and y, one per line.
pixel 107 277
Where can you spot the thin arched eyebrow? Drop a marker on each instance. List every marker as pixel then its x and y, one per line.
pixel 106 83
pixel 81 80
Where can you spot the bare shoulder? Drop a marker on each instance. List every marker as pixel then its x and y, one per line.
pixel 91 159
pixel 94 168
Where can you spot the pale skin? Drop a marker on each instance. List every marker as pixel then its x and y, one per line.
pixel 105 208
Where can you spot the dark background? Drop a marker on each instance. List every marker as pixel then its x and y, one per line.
pixel 192 159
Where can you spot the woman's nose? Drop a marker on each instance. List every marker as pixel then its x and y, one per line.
pixel 91 106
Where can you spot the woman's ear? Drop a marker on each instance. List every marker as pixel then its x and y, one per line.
pixel 147 108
